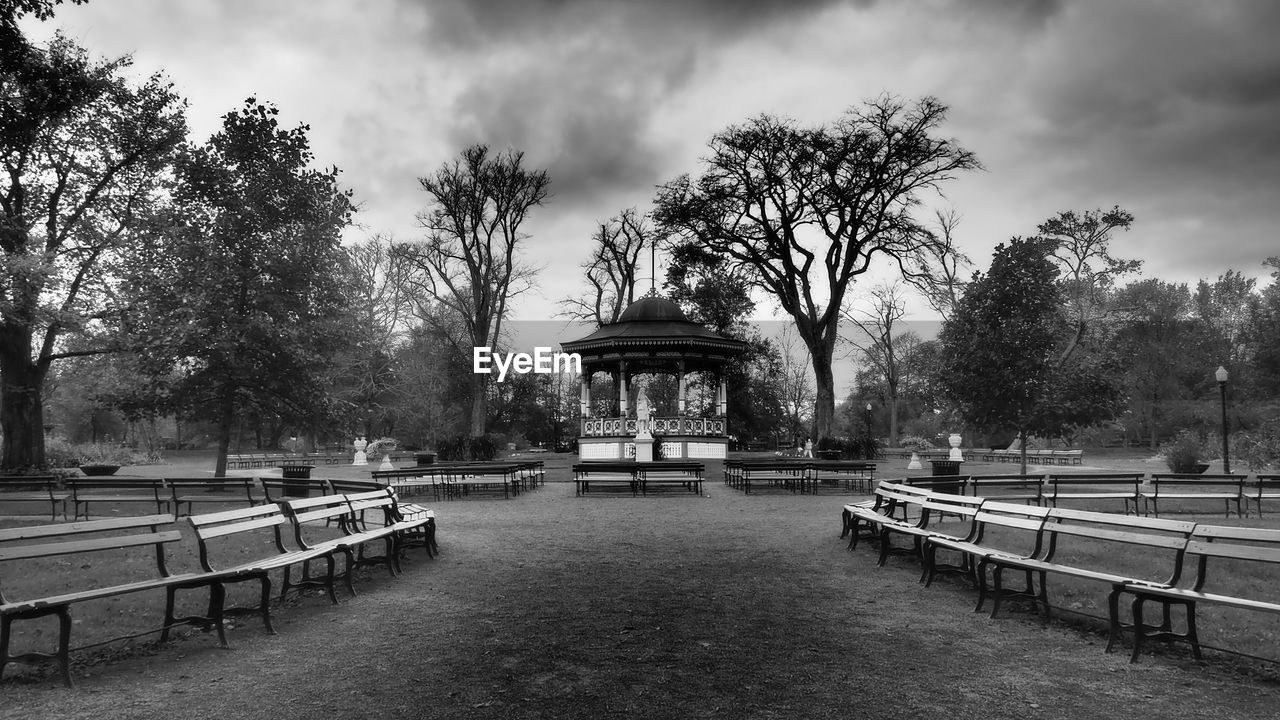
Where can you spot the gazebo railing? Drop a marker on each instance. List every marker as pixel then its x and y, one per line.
pixel 616 427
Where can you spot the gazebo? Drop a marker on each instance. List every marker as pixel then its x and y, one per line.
pixel 653 337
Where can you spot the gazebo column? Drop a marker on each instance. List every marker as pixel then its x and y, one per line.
pixel 584 402
pixel 681 402
pixel 722 398
pixel 622 389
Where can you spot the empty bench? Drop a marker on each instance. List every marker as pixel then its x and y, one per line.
pixel 1229 489
pixel 130 491
pixel 39 489
pixel 1125 487
pixel 1216 552
pixel 148 535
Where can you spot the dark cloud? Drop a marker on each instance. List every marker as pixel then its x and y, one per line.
pixel 469 24
pixel 587 77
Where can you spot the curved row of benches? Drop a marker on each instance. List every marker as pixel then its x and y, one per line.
pixel 1139 493
pixel 300 532
pixel 76 497
pixel 1152 561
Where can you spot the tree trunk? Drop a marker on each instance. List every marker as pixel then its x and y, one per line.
pixel 893 415
pixel 479 403
pixel 1022 454
pixel 226 418
pixel 824 406
pixel 21 401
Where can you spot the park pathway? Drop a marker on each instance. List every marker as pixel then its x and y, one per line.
pixel 551 606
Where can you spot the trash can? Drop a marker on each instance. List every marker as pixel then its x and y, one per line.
pixel 944 468
pixel 295 472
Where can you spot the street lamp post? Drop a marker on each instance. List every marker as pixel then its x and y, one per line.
pixel 870 454
pixel 1221 375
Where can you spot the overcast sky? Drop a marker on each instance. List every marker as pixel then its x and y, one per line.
pixel 1167 108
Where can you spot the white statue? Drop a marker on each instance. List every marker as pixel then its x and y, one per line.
pixel 360 458
pixel 642 406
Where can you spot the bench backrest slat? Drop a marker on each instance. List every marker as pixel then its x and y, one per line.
pixel 86 526
pixel 71 547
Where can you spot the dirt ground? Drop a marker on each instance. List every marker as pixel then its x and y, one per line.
pixel 674 606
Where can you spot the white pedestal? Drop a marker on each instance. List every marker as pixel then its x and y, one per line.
pixel 644 449
pixel 915 462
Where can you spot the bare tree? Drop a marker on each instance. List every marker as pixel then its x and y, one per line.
pixel 469 264
pixel 795 381
pixel 808 209
pixel 383 307
pixel 877 343
pixel 611 271
pixel 940 280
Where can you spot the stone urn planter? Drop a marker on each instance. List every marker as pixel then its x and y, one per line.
pixel 99 469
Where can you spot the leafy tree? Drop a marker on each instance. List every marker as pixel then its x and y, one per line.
pixel 241 290
pixel 470 264
pixel 806 210
pixel 82 150
pixel 714 292
pixel 1265 335
pixel 1083 250
pixel 1158 343
pixel 998 359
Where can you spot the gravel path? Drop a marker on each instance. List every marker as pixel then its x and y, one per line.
pixel 663 607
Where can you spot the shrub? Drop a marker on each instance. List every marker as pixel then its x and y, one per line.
pixel 1183 454
pixel 1259 449
pixel 465 447
pixel 483 447
pixel 914 442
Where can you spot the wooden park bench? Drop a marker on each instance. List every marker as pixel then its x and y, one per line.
pixel 846 475
pixel 787 474
pixel 411 480
pixel 260 529
pixel 600 474
pixel 26 551
pixel 1125 549
pixel 998 529
pixel 477 478
pixel 328 523
pixel 276 490
pixel 1125 487
pixel 1008 488
pixel 1263 487
pixel 190 492
pixel 932 506
pixel 670 473
pixel 893 502
pixel 1218 553
pixel 33 489
pixel 85 491
pixel 1193 486
pixel 375 512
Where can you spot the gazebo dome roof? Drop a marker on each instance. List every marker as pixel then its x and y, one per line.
pixel 652 307
pixel 654 332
